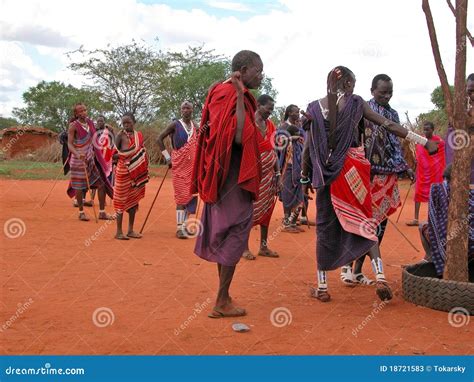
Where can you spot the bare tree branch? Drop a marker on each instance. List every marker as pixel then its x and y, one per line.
pixel 468 34
pixel 438 61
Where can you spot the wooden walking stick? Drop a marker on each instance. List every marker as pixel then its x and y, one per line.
pixel 54 184
pixel 197 208
pixel 154 200
pixel 403 205
pixel 89 188
pixel 398 229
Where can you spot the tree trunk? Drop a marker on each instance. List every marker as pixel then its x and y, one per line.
pixel 458 213
pixel 468 34
pixel 438 61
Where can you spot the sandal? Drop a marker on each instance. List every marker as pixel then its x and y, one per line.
pixel 181 234
pixel 306 222
pixel 347 277
pixel 290 229
pixel 267 252
pixel 412 223
pixel 134 235
pixel 83 217
pixel 105 216
pixel 121 237
pixel 321 295
pixel 360 278
pixel 248 255
pixel 234 312
pixel 383 290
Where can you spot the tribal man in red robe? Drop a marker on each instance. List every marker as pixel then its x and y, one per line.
pixel 227 173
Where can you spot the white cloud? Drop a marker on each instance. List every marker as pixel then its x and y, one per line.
pixel 299 43
pixel 230 6
pixel 33 34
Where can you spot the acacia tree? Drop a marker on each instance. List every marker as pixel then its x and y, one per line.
pixel 190 75
pixel 152 85
pixel 457 244
pixel 128 76
pixel 49 104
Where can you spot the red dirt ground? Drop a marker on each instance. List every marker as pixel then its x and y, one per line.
pixel 154 285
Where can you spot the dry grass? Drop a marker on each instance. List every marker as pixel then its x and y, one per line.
pixel 48 153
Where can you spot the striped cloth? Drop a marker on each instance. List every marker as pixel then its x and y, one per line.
pixel 182 167
pixel 126 194
pixel 263 206
pixel 351 197
pixel 83 145
pixel 438 224
pixel 385 196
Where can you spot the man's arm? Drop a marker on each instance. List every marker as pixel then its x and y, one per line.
pixel 240 107
pixel 161 141
pixel 70 142
pixel 394 127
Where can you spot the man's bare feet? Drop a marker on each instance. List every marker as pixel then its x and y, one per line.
pixel 121 236
pixel 134 235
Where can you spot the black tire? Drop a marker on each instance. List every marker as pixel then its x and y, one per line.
pixel 422 287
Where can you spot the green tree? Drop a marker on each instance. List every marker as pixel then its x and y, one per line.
pixel 49 104
pixel 190 75
pixel 129 77
pixel 8 122
pixel 152 85
pixel 438 115
pixel 437 97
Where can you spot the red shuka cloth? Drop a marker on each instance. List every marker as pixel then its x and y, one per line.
pixel 351 197
pixel 429 169
pixel 214 148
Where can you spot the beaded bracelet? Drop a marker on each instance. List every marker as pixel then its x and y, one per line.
pixel 413 137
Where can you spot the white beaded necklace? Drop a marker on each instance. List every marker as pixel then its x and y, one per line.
pixel 188 128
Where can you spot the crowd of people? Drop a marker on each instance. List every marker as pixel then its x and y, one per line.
pixel 343 149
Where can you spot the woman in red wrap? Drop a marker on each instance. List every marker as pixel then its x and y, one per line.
pixel 227 173
pixel 131 175
pixel 264 205
pixel 429 170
